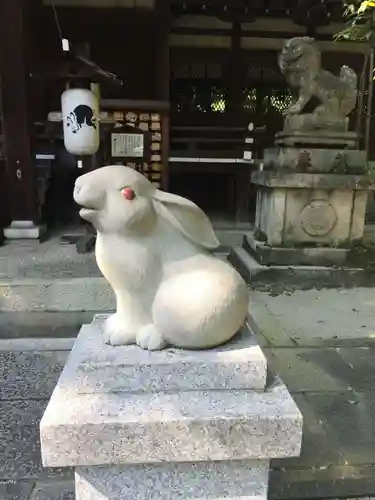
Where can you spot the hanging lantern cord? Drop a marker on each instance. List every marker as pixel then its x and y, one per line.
pixel 84 60
pixel 56 19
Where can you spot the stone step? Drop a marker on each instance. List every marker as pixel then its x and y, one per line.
pixel 245 264
pixel 56 295
pixel 54 259
pixel 245 480
pixel 231 237
pixel 299 277
pixel 30 368
pixel 95 294
pixel 94 366
pixel 288 256
pixel 108 428
pixel 44 324
pixel 59 294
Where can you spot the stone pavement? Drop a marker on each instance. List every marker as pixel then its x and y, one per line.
pixel 321 342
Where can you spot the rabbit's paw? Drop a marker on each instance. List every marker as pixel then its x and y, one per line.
pixel 115 332
pixel 149 338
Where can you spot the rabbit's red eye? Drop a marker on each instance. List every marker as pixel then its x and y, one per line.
pixel 128 193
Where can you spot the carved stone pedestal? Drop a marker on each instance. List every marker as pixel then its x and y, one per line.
pixel 322 151
pixel 308 218
pixel 173 424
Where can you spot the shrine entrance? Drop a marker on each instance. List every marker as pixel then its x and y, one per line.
pixel 215 94
pixel 210 68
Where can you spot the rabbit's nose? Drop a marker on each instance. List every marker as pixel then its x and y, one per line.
pixel 87 195
pixel 78 192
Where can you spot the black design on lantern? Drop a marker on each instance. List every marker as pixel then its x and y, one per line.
pixel 80 115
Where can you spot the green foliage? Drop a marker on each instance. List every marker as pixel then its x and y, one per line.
pixel 359 20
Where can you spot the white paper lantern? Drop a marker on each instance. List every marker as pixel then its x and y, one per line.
pixel 80 112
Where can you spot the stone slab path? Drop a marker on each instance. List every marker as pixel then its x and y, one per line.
pixel 322 342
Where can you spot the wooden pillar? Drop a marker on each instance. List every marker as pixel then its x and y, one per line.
pixel 235 73
pixel 15 48
pixel 162 77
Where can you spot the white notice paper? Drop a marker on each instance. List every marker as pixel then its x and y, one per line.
pixel 127 145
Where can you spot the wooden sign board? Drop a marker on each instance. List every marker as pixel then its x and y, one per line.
pixel 130 144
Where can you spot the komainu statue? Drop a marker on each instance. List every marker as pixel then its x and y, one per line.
pixel 154 248
pixel 300 63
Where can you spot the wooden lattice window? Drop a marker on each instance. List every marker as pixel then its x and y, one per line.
pixel 198 85
pixel 266 91
pixel 277 100
pixel 249 99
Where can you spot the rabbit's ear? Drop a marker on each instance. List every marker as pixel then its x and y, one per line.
pixel 186 217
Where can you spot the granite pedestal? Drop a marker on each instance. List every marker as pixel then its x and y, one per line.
pixel 173 424
pixel 304 219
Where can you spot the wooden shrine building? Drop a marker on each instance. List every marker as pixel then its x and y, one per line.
pixel 200 75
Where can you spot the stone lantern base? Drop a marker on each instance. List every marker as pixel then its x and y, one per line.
pixel 308 218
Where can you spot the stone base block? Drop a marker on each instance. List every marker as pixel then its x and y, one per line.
pixel 279 256
pixel 192 426
pixel 23 230
pixel 245 480
pixel 310 209
pixel 95 367
pixel 296 277
pixel 315 122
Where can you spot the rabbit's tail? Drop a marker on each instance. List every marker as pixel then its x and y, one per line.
pixel 348 77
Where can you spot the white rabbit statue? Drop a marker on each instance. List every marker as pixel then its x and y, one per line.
pixel 153 247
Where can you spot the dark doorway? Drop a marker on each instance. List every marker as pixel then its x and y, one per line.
pixel 60 210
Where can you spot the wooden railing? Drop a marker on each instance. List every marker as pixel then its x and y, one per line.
pixel 215 142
